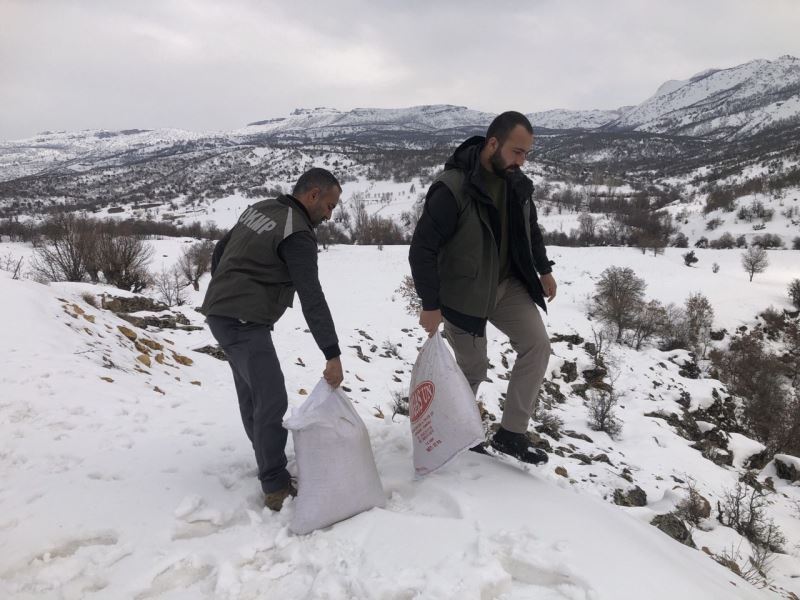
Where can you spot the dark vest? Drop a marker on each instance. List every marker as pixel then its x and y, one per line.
pixel 469 263
pixel 251 282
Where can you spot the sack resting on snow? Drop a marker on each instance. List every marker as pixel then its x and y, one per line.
pixel 337 477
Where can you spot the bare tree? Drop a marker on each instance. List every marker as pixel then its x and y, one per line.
pixel 754 260
pixel 700 318
pixel 586 227
pixel 196 261
pixel 170 286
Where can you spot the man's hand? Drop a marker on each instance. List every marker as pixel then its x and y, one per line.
pixel 333 372
pixel 549 286
pixel 430 320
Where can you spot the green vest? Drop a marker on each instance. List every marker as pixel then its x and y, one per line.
pixel 251 282
pixel 469 263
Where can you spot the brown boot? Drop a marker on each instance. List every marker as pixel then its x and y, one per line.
pixel 274 500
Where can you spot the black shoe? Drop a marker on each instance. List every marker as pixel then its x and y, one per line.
pixel 480 449
pixel 519 446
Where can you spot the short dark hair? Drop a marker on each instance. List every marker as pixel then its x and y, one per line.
pixel 316 177
pixel 504 123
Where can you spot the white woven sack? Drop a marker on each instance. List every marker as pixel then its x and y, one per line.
pixel 336 473
pixel 444 416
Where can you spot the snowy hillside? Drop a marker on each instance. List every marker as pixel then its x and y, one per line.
pixel 127 475
pixel 726 103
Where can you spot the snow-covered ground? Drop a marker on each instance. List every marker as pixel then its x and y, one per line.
pixel 122 480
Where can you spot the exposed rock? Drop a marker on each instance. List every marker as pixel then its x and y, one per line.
pixel 144 359
pixel 721 412
pixel 152 344
pixel 758 461
pixel 718 336
pixel 674 528
pixel 690 370
pixel 786 470
pixel 169 321
pixel 580 389
pixel 214 351
pixel 141 347
pixel 561 471
pixel 633 497
pixel 108 379
pixel 195 383
pixel 128 333
pixel 602 458
pixel 569 371
pixel 551 389
pixel 577 436
pixel 749 478
pixel 160 358
pixel 594 376
pixel 581 457
pixel 714 447
pixel 183 360
pixel 570 339
pixel 159 390
pixel 118 304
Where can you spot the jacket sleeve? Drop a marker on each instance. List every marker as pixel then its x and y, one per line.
pixel 543 264
pixel 219 250
pixel 299 252
pixel 523 187
pixel 435 227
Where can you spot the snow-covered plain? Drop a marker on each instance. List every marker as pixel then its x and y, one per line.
pixel 144 486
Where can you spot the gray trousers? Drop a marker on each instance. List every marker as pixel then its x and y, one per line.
pixel 261 390
pixel 517 316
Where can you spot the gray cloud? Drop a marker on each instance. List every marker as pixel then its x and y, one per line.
pixel 211 65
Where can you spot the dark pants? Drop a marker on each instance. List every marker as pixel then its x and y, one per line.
pixel 261 390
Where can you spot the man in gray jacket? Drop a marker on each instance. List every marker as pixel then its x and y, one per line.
pixel 257 267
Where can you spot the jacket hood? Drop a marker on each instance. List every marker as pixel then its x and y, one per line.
pixel 466 156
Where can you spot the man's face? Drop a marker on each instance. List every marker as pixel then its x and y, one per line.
pixel 509 157
pixel 323 203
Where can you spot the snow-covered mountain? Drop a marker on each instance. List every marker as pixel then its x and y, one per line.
pixel 722 103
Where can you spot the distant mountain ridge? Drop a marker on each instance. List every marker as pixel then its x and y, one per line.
pixel 720 117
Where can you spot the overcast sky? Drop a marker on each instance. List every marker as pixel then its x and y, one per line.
pixel 216 65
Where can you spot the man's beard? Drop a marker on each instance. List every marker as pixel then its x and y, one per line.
pixel 500 167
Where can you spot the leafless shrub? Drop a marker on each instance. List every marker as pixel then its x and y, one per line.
pixel 68 241
pixel 647 322
pixel 399 404
pixel 89 298
pixel 694 508
pixel 12 264
pixel 170 286
pixel 754 569
pixel 123 261
pixel 550 422
pixel 602 412
pixel 743 509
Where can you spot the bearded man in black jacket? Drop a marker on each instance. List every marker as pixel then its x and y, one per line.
pixel 477 255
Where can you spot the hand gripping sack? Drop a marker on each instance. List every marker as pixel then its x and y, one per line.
pixel 337 477
pixel 444 416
